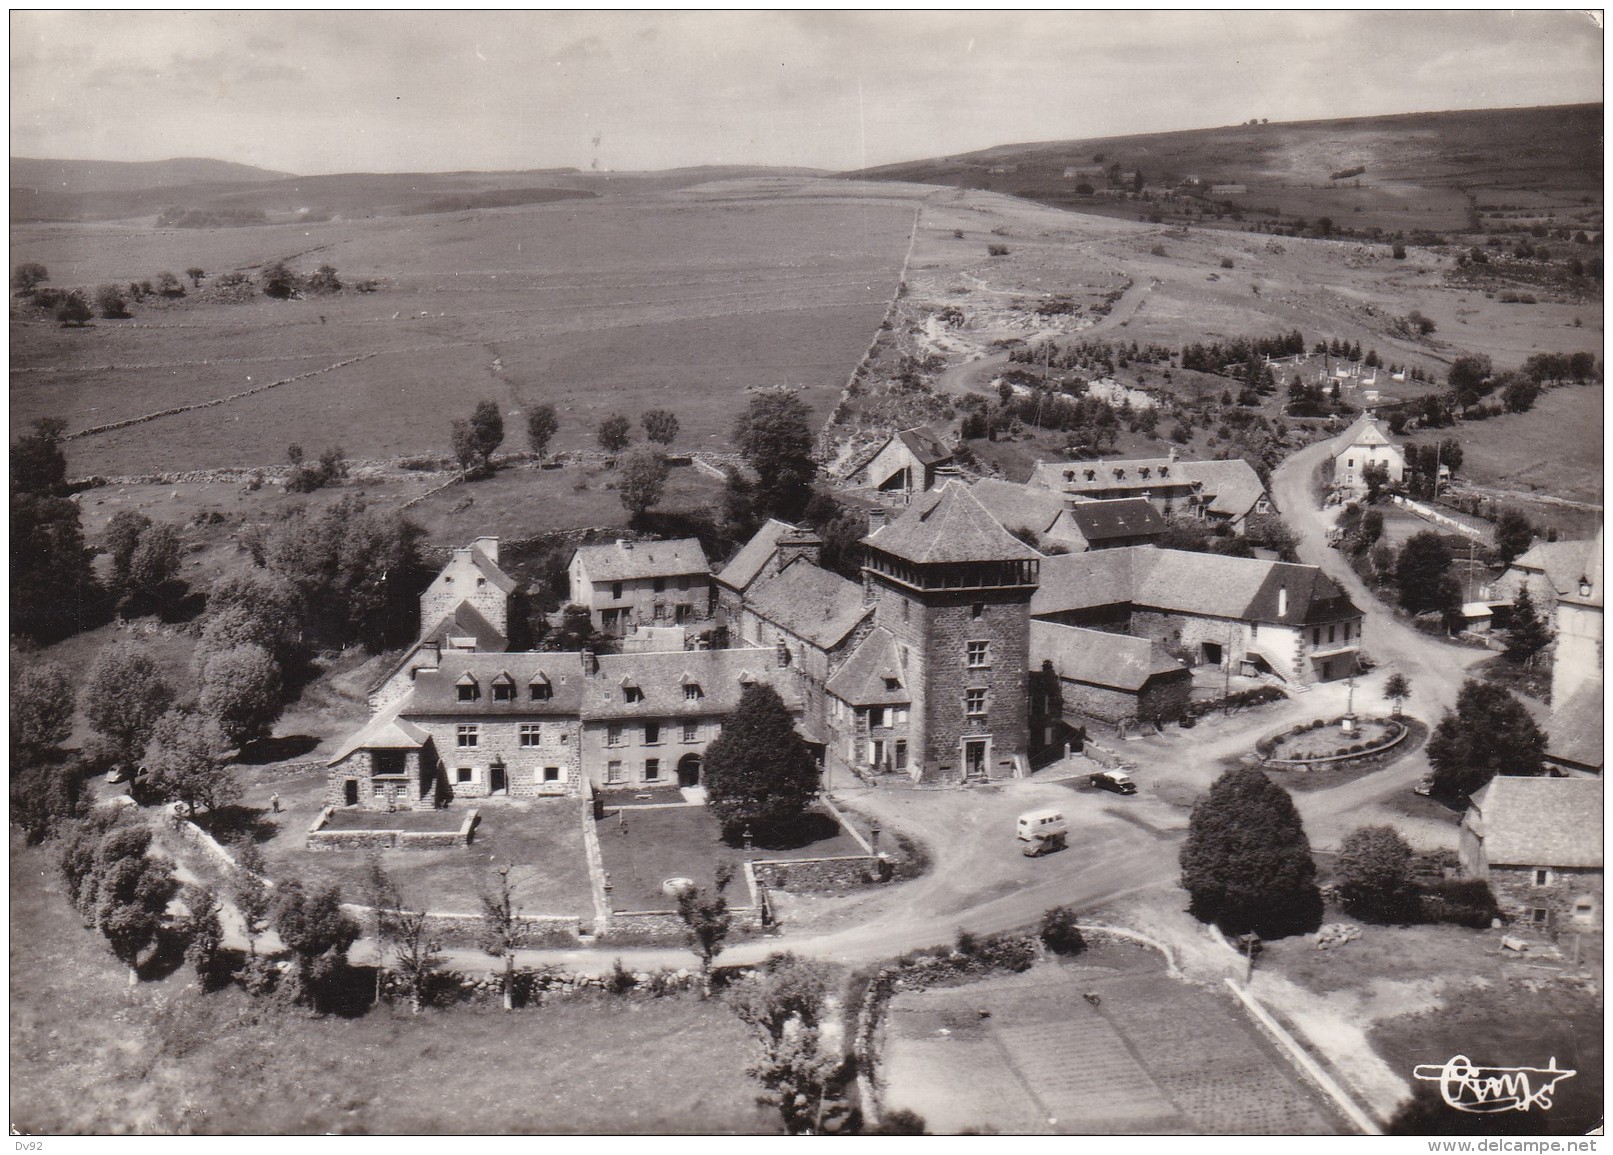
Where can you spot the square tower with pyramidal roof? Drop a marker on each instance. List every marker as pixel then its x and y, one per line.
pixel 953 588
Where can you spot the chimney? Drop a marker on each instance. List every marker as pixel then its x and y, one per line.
pixel 1173 453
pixel 488 546
pixel 876 518
pixel 590 663
pixel 798 544
pixel 1282 601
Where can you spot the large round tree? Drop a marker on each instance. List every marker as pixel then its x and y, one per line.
pixel 759 772
pixel 1247 863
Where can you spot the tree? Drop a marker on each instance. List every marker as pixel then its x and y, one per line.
pixel 77 856
pixel 706 921
pixel 251 895
pixel 53 589
pixel 401 934
pixel 1528 634
pixel 279 281
pixel 775 436
pixel 29 275
pixel 109 299
pixel 324 281
pixel 1247 863
pixel 614 433
pixel 313 925
pixel 1469 377
pixel 1397 689
pixel 123 698
pixel 641 480
pixel 186 763
pixel 45 796
pixel 1376 475
pixel 122 538
pixel 169 285
pixel 660 425
pixel 131 895
pixel 501 930
pixel 784 1004
pixel 240 691
pixel 1421 572
pixel 1513 535
pixel 195 274
pixel 542 424
pixel 476 439
pixel 204 934
pixel 1374 874
pixel 38 465
pixel 759 771
pixel 74 311
pixel 250 608
pixel 1060 934
pixel 1519 395
pixel 41 711
pixel 1490 733
pixel 154 562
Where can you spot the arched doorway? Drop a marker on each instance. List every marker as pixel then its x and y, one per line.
pixel 689 770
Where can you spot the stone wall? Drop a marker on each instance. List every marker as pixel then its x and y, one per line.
pixel 808 875
pixel 499 739
pixel 320 837
pixel 1518 897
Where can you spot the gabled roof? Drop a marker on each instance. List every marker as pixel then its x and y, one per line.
pixel 1099 658
pixel 925 445
pixel 385 731
pixel 1539 821
pixel 624 560
pixel 948 525
pixel 811 603
pixel 754 554
pixel 467 622
pixel 1364 433
pixel 1236 485
pixel 1208 585
pixel 1018 506
pixel 1574 733
pixel 1123 517
pixel 489 569
pixel 864 679
pixel 1138 473
pixel 436 692
pixel 1563 562
pixel 663 678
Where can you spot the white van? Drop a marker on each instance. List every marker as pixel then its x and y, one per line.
pixel 1042 831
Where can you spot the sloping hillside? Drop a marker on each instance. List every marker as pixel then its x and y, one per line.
pixel 98 176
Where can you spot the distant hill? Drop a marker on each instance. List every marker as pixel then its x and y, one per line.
pixel 96 176
pixel 1418 170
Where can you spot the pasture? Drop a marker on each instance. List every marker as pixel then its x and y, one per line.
pixel 1554 449
pixel 604 306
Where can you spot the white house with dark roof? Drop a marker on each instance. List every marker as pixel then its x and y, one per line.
pixel 1365 443
pixel 630 583
pixel 907 463
pixel 1227 491
pixel 1538 843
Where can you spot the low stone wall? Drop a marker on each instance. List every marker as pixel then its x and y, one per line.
pixel 319 837
pixel 803 875
pixel 542 985
pixel 668 925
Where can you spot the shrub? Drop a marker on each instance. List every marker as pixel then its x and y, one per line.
pixel 1226 262
pixel 997 250
pixel 966 945
pixel 1463 901
pixel 1007 952
pixel 1059 932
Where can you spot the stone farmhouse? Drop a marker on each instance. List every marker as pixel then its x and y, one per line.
pixel 908 462
pixel 1226 492
pixel 648 583
pixel 1538 842
pixel 1077 528
pixel 1365 443
pixel 1112 678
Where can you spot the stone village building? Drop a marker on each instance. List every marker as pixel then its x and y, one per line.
pixel 1538 842
pixel 1365 443
pixel 923 669
pixel 1218 492
pixel 646 583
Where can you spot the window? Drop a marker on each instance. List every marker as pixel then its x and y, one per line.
pixel 469 691
pixel 893 683
pixel 901 754
pixel 1254 629
pixel 468 734
pixel 978 610
pixel 551 773
pixel 692 692
pixel 1316 636
pixel 503 691
pixel 389 761
pixel 898 715
pixel 1539 914
pixel 876 716
pixel 1542 876
pixel 463 774
pixel 660 585
pixel 613 771
pixel 615 591
pixel 691 731
pixel 632 694
pixel 531 734
pixel 540 691
pixel 652 733
pixel 1330 634
pixel 979 654
pixel 613 734
pixel 652 769
pixel 974 703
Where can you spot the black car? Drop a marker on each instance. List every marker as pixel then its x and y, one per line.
pixel 1116 780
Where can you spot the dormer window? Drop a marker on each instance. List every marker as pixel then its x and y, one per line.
pixel 692 692
pixel 1119 473
pixel 469 690
pixel 539 689
pixel 503 688
pixel 1145 471
pixel 893 683
pixel 1091 474
pixel 1069 475
pixel 631 693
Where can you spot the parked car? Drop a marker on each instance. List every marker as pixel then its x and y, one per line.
pixel 1116 780
pixel 1042 831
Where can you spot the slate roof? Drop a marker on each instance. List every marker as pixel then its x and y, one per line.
pixel 1122 517
pixel 862 680
pixel 467 621
pixel 811 603
pixel 1117 661
pixel 1539 821
pixel 720 674
pixel 1208 585
pixel 1365 431
pixel 1563 562
pixel 1018 505
pixel 742 569
pixel 1233 484
pixel 948 525
pixel 624 560
pixel 1236 485
pixel 489 569
pixel 925 445
pixel 385 731
pixel 436 692
pixel 1574 733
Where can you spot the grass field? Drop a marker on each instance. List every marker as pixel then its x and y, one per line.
pixel 164 1059
pixel 614 305
pixel 1555 448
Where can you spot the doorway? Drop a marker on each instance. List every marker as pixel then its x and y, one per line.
pixel 350 792
pixel 1212 653
pixel 497 781
pixel 689 770
pixel 974 757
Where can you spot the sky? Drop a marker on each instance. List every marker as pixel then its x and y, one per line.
pixel 309 92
